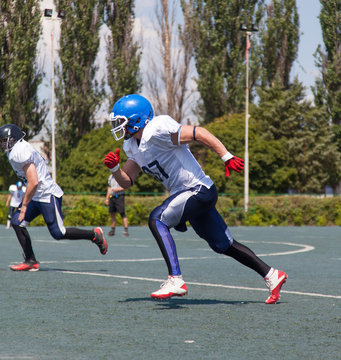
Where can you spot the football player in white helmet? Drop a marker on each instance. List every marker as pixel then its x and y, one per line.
pixel 42 196
pixel 159 146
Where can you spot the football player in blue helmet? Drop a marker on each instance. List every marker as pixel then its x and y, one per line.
pixel 160 148
pixel 130 114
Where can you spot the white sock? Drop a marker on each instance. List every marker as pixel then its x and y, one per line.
pixel 269 273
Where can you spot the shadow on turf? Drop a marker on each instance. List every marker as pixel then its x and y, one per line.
pixel 177 303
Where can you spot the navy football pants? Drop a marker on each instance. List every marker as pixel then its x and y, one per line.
pixel 196 205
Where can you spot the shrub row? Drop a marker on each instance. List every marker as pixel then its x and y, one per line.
pixel 88 210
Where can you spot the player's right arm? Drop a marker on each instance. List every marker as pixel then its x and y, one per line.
pixel 128 174
pixel 32 184
pixel 125 176
pixel 9 199
pixel 107 197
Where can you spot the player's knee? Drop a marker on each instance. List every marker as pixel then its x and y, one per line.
pixel 219 248
pixel 154 215
pixel 218 244
pixel 56 234
pixel 15 221
pixel 16 227
pixel 151 222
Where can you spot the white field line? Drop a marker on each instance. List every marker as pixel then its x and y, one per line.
pixel 303 248
pixel 121 260
pixel 199 284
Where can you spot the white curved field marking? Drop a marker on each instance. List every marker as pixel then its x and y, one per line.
pixel 123 260
pixel 303 248
pixel 198 284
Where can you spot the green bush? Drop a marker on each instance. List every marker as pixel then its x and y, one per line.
pixel 86 213
pixel 3 212
pixel 137 214
pixel 89 210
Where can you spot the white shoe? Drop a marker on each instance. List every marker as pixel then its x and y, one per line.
pixel 274 283
pixel 174 286
pixel 8 224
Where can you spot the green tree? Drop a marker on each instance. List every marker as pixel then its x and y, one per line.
pixel 329 58
pixel 310 159
pixel 77 90
pixel 327 89
pixel 219 48
pixel 123 54
pixel 20 75
pixel 279 41
pixel 266 157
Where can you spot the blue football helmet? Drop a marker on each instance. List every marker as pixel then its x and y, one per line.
pixel 19 184
pixel 130 114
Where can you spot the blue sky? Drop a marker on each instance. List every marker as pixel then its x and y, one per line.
pixel 310 37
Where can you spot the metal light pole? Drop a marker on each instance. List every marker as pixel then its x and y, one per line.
pixel 48 13
pixel 248 33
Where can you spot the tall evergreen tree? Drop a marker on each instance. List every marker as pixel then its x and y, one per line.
pixel 329 59
pixel 219 48
pixel 309 158
pixel 327 89
pixel 20 75
pixel 77 90
pixel 123 57
pixel 280 41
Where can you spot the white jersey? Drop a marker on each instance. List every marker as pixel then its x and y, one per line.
pixel 173 165
pixel 24 153
pixel 17 195
pixel 113 184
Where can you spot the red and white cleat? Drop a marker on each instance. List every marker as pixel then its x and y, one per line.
pixel 25 267
pixel 274 283
pixel 100 241
pixel 173 286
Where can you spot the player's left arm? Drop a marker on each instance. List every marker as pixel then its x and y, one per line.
pixel 32 184
pixel 188 134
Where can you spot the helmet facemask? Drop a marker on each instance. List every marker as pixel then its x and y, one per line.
pixel 118 124
pixel 7 142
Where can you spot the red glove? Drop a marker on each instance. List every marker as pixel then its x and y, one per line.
pixel 111 160
pixel 235 164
